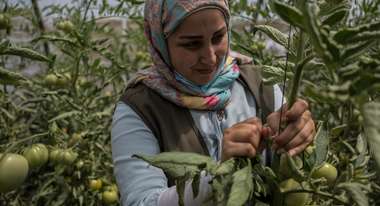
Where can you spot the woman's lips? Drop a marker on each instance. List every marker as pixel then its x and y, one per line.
pixel 205 71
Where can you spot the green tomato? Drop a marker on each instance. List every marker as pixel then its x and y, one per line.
pixel 63 80
pixel 55 155
pixel 110 197
pixel 79 164
pixel 5 21
pixel 293 199
pixel 51 80
pixel 37 155
pixel 65 25
pixel 13 171
pixel 327 171
pixel 69 157
pixel 95 184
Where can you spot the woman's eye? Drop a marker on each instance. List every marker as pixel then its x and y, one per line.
pixel 191 45
pixel 217 39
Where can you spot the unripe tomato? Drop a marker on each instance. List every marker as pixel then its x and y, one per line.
pixel 110 197
pixel 327 171
pixel 293 199
pixel 95 184
pixel 37 155
pixel 69 157
pixel 51 80
pixel 79 164
pixel 5 21
pixel 13 171
pixel 63 80
pixel 285 170
pixel 65 25
pixel 56 155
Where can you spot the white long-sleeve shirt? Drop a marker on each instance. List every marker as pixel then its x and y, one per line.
pixel 143 185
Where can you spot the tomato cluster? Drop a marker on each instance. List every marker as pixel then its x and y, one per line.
pixel 65 25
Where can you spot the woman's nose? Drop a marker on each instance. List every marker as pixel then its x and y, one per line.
pixel 208 55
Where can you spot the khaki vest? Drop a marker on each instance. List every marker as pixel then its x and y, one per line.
pixel 174 127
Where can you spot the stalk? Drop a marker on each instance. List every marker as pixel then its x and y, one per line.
pixel 40 23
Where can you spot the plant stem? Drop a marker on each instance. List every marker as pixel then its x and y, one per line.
pixel 40 23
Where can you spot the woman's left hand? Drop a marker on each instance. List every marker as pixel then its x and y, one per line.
pixel 300 129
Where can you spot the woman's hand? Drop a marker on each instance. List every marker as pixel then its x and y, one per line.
pixel 243 139
pixel 300 129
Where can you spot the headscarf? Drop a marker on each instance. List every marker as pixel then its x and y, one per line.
pixel 161 19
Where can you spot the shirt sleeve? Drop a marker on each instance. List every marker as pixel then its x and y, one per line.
pixel 139 183
pixel 278 101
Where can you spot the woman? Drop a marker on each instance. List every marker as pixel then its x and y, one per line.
pixel 198 97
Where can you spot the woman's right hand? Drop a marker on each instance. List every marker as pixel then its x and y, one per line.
pixel 243 139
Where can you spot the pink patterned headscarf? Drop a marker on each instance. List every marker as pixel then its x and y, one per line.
pixel 162 17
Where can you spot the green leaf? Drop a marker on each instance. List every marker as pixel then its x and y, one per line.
pixel 64 115
pixel 179 164
pixel 11 78
pixel 321 144
pixel 195 184
pixel 273 33
pixel 313 26
pixel 25 52
pixel 357 192
pixel 335 17
pixel 273 75
pixel 55 39
pixel 225 167
pixel 242 186
pixel 356 50
pixel 347 35
pixel 180 186
pixel 289 14
pixel 371 115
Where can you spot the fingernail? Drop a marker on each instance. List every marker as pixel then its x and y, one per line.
pixel 291 153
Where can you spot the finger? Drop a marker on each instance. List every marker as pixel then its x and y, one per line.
pixel 304 136
pixel 301 147
pixel 298 108
pixel 246 133
pixel 253 120
pixel 273 121
pixel 237 149
pixel 266 132
pixel 291 131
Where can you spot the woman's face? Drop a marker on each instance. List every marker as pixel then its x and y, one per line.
pixel 198 45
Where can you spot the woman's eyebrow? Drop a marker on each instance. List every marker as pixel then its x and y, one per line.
pixel 189 36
